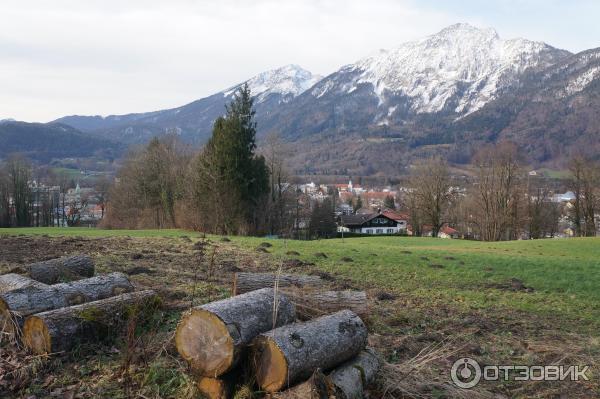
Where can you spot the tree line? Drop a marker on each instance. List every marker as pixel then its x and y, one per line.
pixel 501 200
pixel 26 202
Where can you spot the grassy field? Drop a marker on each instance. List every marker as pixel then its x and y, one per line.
pixel 520 302
pixel 558 278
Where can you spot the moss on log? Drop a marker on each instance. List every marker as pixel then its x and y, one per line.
pixel 291 353
pixel 212 336
pixel 16 305
pixel 353 377
pixel 62 329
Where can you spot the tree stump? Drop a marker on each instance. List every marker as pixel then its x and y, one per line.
pixel 11 281
pixel 18 304
pixel 246 282
pixel 67 268
pixel 291 353
pixel 353 377
pixel 60 330
pixel 211 337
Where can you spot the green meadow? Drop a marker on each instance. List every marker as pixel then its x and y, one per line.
pixel 557 278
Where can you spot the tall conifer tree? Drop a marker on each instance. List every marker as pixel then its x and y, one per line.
pixel 232 179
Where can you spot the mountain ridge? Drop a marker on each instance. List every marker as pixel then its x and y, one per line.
pixel 455 89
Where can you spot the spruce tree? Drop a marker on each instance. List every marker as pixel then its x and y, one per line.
pixel 232 179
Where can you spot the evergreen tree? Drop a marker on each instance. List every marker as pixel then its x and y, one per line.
pixel 389 202
pixel 232 181
pixel 358 204
pixel 322 220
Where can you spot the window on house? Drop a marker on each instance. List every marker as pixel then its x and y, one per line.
pixel 390 231
pixel 379 231
pixel 369 231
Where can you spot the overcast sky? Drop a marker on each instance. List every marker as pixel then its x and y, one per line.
pixel 90 57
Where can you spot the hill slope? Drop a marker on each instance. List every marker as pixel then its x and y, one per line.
pixel 43 142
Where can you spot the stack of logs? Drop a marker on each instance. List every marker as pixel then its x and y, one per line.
pixel 288 333
pixel 54 305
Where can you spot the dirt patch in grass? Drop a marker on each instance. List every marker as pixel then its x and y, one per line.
pixel 514 284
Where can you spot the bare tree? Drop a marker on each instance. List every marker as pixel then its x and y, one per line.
pixel 19 175
pixel 431 192
pixel 497 194
pixel 585 180
pixel 148 186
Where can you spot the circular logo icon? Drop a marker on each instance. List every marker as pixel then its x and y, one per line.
pixel 465 373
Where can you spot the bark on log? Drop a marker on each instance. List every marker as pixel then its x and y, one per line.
pixel 11 281
pixel 246 282
pixel 67 268
pixel 292 353
pixel 318 386
pixel 61 329
pixel 310 304
pixel 353 377
pixel 211 337
pixel 18 304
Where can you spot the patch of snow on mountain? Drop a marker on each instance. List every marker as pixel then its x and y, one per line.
pixel 582 81
pixel 461 60
pixel 321 89
pixel 289 80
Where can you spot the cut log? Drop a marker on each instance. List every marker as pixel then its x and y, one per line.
pixel 291 353
pixel 211 337
pixel 16 305
pixel 214 388
pixel 58 270
pixel 223 387
pixel 60 330
pixel 246 282
pixel 318 386
pixel 353 377
pixel 11 281
pixel 310 304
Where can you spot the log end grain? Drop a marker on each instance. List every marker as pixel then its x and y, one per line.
pixel 204 340
pixel 213 388
pixel 318 386
pixel 36 336
pixel 271 365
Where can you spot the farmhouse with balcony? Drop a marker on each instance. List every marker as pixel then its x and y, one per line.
pixel 372 223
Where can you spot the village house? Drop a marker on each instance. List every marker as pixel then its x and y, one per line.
pixel 400 218
pixel 373 223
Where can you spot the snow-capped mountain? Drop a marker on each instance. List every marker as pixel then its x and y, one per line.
pixel 444 94
pixel 287 81
pixel 459 69
pixel 194 121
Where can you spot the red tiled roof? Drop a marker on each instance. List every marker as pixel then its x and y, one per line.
pixel 395 215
